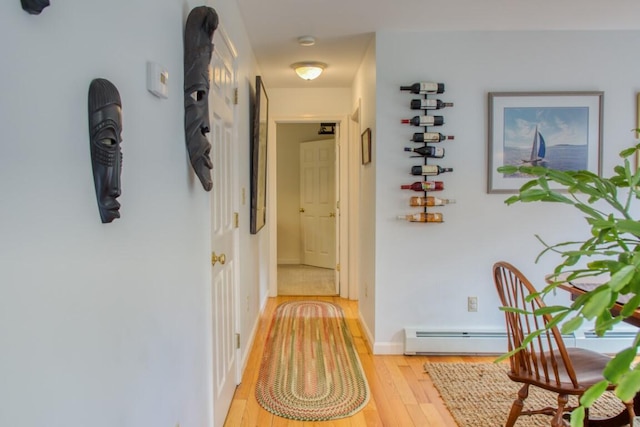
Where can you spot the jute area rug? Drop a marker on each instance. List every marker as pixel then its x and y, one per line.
pixel 310 369
pixel 481 394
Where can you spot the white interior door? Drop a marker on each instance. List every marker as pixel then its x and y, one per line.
pixel 224 234
pixel 318 203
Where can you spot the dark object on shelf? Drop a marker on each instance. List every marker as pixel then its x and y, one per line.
pixel 424 121
pixel 105 128
pixel 259 143
pixel 427 151
pixel 429 170
pixel 34 7
pixel 430 137
pixel 424 87
pixel 429 104
pixel 424 186
pixel 198 33
pixel 327 129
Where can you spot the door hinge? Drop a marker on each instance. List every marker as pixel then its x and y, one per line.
pixel 237 340
pixel 235 96
pixel 236 219
pixel 338 267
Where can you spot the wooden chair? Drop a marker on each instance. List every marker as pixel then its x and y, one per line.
pixel 545 362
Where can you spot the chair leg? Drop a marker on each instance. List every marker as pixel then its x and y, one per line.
pixel 557 420
pixel 631 412
pixel 516 408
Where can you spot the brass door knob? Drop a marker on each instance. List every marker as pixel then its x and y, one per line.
pixel 215 258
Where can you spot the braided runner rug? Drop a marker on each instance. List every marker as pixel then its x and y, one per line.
pixel 310 370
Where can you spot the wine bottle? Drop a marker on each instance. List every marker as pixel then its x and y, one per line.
pixel 424 186
pixel 424 121
pixel 424 87
pixel 429 104
pixel 423 217
pixel 437 152
pixel 429 137
pixel 429 201
pixel 429 170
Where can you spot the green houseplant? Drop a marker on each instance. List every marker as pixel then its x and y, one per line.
pixel 612 249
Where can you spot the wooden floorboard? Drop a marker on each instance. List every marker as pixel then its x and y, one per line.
pixel 401 393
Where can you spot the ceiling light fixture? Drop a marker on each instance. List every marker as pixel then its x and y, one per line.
pixel 306 40
pixel 309 70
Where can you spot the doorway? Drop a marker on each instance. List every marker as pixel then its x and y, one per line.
pixel 306 205
pixel 225 364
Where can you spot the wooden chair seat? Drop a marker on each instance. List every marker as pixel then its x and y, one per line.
pixel 588 366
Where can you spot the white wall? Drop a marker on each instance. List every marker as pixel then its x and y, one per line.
pixel 424 272
pixel 105 324
pixel 364 94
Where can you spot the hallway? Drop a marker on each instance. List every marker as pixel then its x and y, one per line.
pixel 401 393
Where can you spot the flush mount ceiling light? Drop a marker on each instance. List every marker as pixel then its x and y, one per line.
pixel 306 40
pixel 309 70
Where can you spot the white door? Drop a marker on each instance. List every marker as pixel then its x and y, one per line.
pixel 318 203
pixel 224 234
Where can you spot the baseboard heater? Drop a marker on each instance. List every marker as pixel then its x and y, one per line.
pixel 424 341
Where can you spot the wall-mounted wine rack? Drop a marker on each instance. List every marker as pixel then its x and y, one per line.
pixel 426 120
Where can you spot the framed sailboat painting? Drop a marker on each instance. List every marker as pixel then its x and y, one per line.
pixel 558 130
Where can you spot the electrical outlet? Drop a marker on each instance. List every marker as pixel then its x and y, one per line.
pixel 472 303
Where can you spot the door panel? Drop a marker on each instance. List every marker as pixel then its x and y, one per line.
pixel 223 232
pixel 318 200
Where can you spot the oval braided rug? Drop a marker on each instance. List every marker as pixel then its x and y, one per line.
pixel 310 370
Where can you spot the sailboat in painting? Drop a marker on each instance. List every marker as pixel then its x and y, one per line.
pixel 538 150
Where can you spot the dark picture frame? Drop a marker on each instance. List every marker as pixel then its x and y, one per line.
pixel 259 143
pixel 558 130
pixel 366 146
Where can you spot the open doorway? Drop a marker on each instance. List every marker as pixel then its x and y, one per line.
pixel 306 205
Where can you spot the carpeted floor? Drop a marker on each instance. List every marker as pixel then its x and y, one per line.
pixel 481 394
pixel 299 279
pixel 310 369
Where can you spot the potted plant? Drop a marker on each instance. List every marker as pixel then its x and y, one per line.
pixel 612 249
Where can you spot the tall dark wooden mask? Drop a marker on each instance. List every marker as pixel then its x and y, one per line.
pixel 105 127
pixel 201 24
pixel 34 7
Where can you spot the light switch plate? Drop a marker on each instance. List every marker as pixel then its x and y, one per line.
pixel 157 80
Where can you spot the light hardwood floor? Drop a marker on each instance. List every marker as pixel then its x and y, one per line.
pixel 402 394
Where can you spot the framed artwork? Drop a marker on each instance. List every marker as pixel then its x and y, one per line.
pixel 259 141
pixel 366 146
pixel 558 130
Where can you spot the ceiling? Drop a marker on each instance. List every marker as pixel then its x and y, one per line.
pixel 344 28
